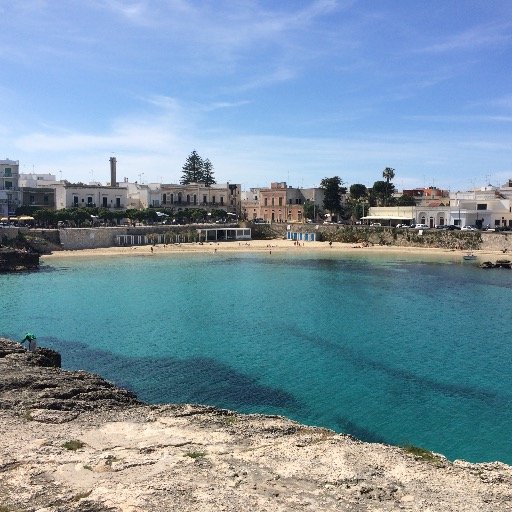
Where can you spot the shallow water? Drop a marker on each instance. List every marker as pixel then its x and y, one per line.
pixel 387 349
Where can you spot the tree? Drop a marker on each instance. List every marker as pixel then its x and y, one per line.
pixel 45 217
pixel 405 200
pixel 379 192
pixel 208 178
pixel 357 201
pixel 192 169
pixel 388 174
pixel 358 191
pixel 197 170
pixel 311 210
pixel 332 194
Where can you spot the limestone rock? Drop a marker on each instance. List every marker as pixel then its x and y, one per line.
pixel 73 442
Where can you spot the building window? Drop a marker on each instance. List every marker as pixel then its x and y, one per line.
pixel 75 200
pixel 280 201
pixel 222 200
pixel 290 201
pixel 482 206
pixel 172 198
pixel 8 172
pixel 213 199
pixel 188 198
pixel 46 200
pixel 32 199
pixel 272 201
pixel 118 202
pixel 195 199
pixel 105 201
pixel 8 185
pixel 89 200
pixel 179 197
pixel 266 202
pixel 204 199
pixel 164 199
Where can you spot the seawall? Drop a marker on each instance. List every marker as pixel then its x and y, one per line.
pixel 92 238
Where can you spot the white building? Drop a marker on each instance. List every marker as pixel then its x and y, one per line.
pixel 37 180
pixel 68 195
pixel 225 197
pixel 485 207
pixel 10 195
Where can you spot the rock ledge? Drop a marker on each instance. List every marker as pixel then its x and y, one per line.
pixel 73 442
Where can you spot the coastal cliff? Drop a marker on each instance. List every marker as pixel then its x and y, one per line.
pixel 73 442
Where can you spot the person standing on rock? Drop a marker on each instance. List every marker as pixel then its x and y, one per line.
pixel 31 341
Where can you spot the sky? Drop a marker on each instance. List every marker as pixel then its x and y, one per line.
pixel 291 91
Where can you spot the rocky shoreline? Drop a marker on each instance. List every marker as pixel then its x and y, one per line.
pixel 15 260
pixel 73 442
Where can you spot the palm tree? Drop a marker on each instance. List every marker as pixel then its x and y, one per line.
pixel 388 174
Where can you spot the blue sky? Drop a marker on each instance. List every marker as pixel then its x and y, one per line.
pixel 268 90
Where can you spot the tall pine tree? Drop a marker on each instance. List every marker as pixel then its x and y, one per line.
pixel 208 178
pixel 192 169
pixel 197 170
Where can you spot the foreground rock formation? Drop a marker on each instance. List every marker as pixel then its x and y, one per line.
pixel 15 260
pixel 72 442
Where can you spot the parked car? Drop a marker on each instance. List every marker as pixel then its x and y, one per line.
pixel 421 226
pixel 468 228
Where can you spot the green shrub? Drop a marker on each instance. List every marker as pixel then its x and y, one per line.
pixel 73 445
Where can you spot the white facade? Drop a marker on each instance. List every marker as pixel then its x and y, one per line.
pixel 10 194
pixel 196 195
pixel 485 207
pixel 76 196
pixel 37 180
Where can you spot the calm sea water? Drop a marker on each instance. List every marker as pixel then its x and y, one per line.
pixel 387 349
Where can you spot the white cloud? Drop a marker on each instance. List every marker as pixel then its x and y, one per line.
pixel 483 36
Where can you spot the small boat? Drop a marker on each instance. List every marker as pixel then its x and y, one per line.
pixel 469 257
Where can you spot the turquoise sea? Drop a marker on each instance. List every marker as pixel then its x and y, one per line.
pixel 387 348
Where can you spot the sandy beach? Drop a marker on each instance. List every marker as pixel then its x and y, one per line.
pixel 271 247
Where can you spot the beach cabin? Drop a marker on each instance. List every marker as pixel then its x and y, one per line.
pixel 223 234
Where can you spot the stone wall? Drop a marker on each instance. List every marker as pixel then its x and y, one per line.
pixel 89 238
pixel 92 238
pixel 466 240
pixel 9 233
pixel 497 242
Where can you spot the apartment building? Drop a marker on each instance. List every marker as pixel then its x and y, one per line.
pixel 225 197
pixel 10 195
pixel 280 202
pixel 69 195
